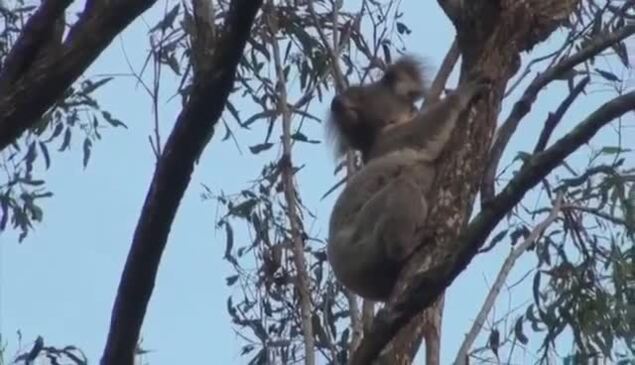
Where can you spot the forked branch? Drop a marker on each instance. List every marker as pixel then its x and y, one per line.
pixel 523 105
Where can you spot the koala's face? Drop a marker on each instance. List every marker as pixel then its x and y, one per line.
pixel 361 113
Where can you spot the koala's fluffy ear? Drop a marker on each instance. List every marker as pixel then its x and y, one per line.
pixel 343 115
pixel 407 77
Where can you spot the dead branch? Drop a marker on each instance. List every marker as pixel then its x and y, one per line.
pixel 38 89
pixel 523 105
pixel 452 257
pixel 501 278
pixel 194 124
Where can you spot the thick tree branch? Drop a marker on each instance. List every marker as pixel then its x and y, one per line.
pixel 32 39
pixel 523 106
pixel 194 124
pixel 38 89
pixel 445 260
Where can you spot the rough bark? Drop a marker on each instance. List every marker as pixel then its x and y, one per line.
pixel 171 177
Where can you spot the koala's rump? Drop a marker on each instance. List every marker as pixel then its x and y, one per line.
pixel 358 261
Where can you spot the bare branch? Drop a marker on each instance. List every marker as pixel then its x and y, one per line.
pixel 440 80
pixel 434 276
pixel 501 278
pixel 523 106
pixel 554 118
pixel 171 177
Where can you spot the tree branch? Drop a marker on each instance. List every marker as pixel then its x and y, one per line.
pixel 32 39
pixel 37 90
pixel 554 118
pixel 194 124
pixel 442 261
pixel 302 282
pixel 524 104
pixel 501 278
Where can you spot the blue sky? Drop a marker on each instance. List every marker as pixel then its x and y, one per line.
pixel 60 283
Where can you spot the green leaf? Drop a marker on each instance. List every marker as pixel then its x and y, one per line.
pixel 87 148
pixel 607 75
pixel 608 150
pixel 494 341
pixel 300 137
pixel 518 331
pixel 45 152
pixel 92 86
pixel 30 156
pixel 229 243
pixel 536 288
pixel 260 147
pixel 67 140
pixel 499 236
pixel 59 127
pixel 113 121
pixel 402 28
pixel 231 280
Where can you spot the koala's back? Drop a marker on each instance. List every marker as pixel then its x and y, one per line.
pixel 375 175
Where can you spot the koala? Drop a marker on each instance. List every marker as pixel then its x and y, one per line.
pixel 377 218
pixel 360 112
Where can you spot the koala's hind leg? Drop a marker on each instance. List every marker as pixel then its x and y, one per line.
pixel 394 214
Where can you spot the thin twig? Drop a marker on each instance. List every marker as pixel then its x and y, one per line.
pixel 501 278
pixel 554 118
